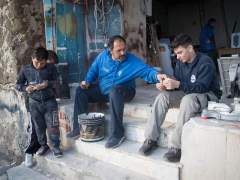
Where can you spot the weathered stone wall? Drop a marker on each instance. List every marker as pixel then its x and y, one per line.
pixel 13 122
pixel 134 26
pixel 22 28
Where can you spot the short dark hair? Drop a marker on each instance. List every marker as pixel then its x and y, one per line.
pixel 115 38
pixel 40 53
pixel 52 55
pixel 211 20
pixel 182 40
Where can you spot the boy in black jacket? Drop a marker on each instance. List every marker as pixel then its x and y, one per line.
pixel 38 79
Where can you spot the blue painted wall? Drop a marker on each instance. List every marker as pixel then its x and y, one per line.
pixel 65 31
pixel 65 34
pixel 70 38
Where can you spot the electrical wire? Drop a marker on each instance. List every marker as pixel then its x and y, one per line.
pixel 100 15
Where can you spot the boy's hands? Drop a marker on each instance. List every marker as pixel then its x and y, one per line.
pixel 35 87
pixel 166 82
pixel 30 89
pixel 171 83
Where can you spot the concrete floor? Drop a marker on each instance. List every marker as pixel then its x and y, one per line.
pixel 5 164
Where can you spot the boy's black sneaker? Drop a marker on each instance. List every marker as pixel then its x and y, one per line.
pixel 57 152
pixel 42 150
pixel 148 147
pixel 173 155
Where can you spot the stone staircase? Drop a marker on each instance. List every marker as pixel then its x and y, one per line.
pixel 85 160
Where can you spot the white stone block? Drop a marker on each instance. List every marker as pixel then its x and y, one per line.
pixel 210 150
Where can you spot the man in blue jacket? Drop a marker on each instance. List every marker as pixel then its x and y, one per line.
pixel 195 82
pixel 115 69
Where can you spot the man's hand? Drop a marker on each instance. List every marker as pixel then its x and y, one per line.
pixel 84 85
pixel 171 83
pixel 161 77
pixel 160 86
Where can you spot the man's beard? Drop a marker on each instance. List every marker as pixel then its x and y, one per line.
pixel 122 57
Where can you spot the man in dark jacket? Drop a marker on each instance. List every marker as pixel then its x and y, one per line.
pixel 116 71
pixel 195 82
pixel 38 80
pixel 207 41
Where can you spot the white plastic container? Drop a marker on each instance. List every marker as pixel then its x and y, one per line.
pixel 165 59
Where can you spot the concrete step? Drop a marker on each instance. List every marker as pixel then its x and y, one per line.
pixel 127 156
pixel 142 110
pixel 76 166
pixel 141 105
pixel 135 129
pixel 23 173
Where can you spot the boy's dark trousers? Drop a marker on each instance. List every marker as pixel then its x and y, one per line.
pixel 44 116
pixel 32 144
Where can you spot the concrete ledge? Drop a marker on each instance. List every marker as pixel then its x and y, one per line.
pixel 210 150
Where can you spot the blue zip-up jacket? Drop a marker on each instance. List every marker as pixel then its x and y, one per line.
pixel 207 40
pixel 198 76
pixel 111 72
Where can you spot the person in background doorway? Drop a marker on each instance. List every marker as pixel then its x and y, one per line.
pixel 38 79
pixel 52 57
pixel 194 84
pixel 207 41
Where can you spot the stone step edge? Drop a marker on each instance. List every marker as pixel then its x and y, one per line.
pixel 22 172
pixel 127 156
pixel 79 164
